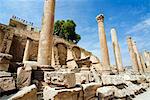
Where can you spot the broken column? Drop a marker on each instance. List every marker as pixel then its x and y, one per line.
pixel 46 35
pixel 27 50
pixel 132 55
pixel 116 48
pixel 103 43
pixel 138 57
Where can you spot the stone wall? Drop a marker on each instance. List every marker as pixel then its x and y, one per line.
pixel 63 53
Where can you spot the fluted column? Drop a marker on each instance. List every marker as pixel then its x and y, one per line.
pixel 138 57
pixel 103 43
pixel 132 55
pixel 27 50
pixel 46 35
pixel 116 49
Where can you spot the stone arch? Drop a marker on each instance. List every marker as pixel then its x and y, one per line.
pixel 61 53
pixel 76 52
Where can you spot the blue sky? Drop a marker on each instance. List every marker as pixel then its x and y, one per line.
pixel 129 17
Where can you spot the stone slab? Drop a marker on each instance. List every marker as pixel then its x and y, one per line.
pixel 7 84
pixel 63 94
pixel 66 79
pixel 26 93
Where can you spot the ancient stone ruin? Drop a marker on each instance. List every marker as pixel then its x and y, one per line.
pixel 36 65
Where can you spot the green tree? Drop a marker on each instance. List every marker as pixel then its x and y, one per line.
pixel 66 30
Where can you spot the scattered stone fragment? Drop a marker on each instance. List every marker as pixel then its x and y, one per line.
pixel 90 90
pixel 63 94
pixel 24 76
pixel 66 79
pixel 26 93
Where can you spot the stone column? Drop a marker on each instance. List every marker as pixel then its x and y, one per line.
pixel 46 35
pixel 103 43
pixel 27 50
pixel 143 62
pixel 138 57
pixel 116 48
pixel 132 55
pixel 147 58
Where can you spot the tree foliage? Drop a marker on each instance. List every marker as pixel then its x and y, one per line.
pixel 66 30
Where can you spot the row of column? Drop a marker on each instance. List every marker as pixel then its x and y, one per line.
pixel 137 59
pixel 104 47
pixel 46 41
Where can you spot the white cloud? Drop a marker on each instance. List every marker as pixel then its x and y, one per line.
pixel 143 25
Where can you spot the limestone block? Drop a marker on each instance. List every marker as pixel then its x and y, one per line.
pixel 82 77
pixel 63 94
pixel 26 93
pixel 4 67
pixel 121 93
pixel 129 77
pixel 112 79
pixel 90 90
pixel 132 87
pixel 72 64
pixel 66 79
pixel 144 85
pixel 24 76
pixel 6 83
pixel 94 59
pixel 4 61
pixel 4 74
pixel 105 92
pixel 98 67
pixel 141 79
pixel 33 64
pixel 4 58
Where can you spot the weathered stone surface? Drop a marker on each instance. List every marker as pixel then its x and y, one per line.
pixel 4 56
pixel 26 93
pixel 132 55
pixel 116 49
pixel 6 43
pixel 90 90
pixel 24 76
pixel 4 74
pixel 4 61
pixel 33 64
pixel 105 93
pixel 7 83
pixel 141 70
pixel 27 50
pixel 66 79
pixel 63 94
pixel 94 59
pixel 82 77
pixel 132 87
pixel 112 79
pixel 46 35
pixel 103 43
